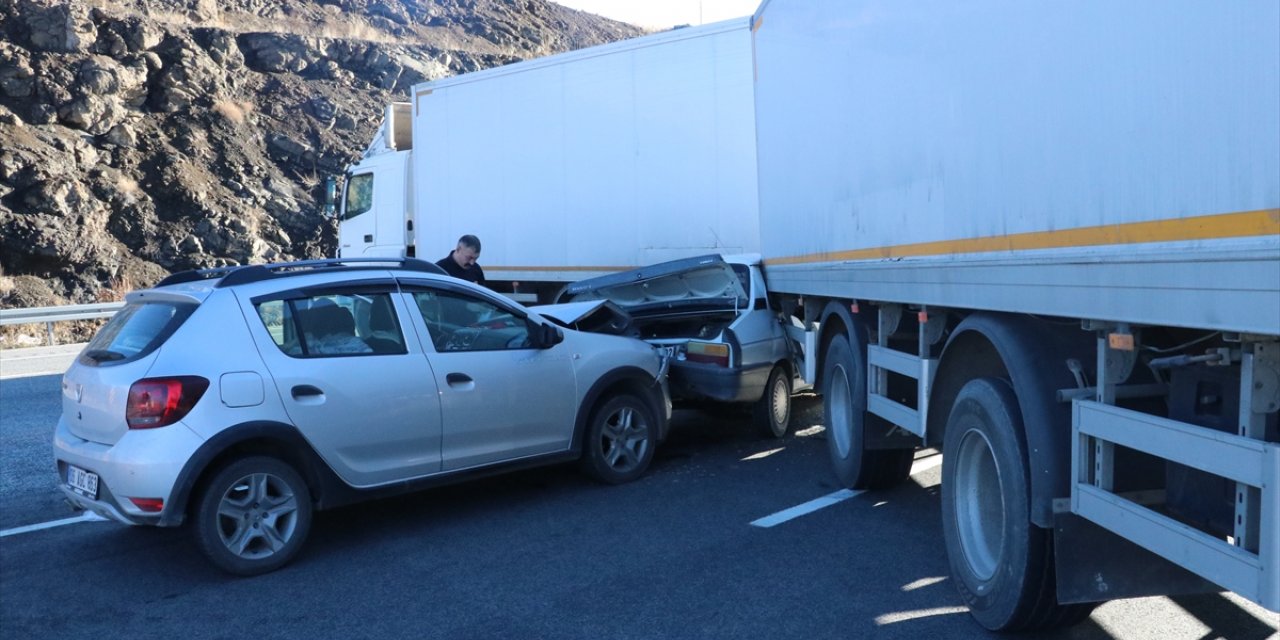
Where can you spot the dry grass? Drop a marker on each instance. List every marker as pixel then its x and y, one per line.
pixel 235 111
pixel 115 290
pixel 6 283
pixel 309 181
pixel 127 186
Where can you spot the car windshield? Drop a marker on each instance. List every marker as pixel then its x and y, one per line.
pixel 136 330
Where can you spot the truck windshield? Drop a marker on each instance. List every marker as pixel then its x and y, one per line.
pixel 359 195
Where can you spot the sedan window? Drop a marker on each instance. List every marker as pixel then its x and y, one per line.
pixel 458 322
pixel 334 325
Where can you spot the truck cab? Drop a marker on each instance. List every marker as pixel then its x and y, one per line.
pixel 374 217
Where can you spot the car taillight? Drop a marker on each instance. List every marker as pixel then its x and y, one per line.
pixel 152 505
pixel 157 402
pixel 707 352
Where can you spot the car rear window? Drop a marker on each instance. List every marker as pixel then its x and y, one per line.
pixel 135 331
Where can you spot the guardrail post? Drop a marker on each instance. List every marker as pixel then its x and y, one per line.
pixel 48 327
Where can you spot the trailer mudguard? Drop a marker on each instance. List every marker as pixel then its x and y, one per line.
pixel 837 318
pixel 1032 353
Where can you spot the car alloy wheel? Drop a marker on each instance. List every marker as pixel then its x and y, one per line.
pixel 253 516
pixel 620 440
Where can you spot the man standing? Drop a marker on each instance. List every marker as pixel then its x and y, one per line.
pixel 461 262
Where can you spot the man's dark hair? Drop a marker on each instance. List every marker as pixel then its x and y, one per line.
pixel 470 241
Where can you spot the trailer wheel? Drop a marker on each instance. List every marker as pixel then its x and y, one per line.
pixel 1002 564
pixel 844 403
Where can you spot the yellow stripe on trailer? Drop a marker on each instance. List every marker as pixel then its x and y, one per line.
pixel 1243 224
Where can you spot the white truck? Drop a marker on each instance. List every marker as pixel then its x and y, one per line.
pixel 1043 238
pixel 570 166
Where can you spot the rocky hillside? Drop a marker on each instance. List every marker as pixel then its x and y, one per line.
pixel 142 137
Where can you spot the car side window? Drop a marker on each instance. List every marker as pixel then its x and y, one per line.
pixel 334 325
pixel 459 322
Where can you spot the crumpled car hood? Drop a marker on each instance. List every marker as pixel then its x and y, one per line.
pixel 568 313
pixel 592 316
pixel 701 281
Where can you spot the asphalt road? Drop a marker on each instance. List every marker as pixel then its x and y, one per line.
pixel 540 554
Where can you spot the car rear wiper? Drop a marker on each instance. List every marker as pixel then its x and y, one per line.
pixel 103 355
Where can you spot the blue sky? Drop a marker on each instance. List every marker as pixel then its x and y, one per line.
pixel 662 14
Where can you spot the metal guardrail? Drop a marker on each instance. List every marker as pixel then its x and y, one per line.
pixel 49 315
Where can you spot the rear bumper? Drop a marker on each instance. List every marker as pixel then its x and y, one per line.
pixel 698 381
pixel 106 505
pixel 143 464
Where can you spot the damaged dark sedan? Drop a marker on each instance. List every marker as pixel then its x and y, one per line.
pixel 713 315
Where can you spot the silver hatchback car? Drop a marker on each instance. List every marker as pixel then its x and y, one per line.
pixel 243 399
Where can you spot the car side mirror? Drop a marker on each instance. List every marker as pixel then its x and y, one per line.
pixel 544 336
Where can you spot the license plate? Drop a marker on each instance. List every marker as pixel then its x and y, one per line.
pixel 83 482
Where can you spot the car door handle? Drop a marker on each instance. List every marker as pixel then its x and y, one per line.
pixel 304 391
pixel 368 237
pixel 458 378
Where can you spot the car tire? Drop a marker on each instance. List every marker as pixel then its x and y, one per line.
pixel 1001 562
pixel 253 516
pixel 772 412
pixel 844 405
pixel 621 437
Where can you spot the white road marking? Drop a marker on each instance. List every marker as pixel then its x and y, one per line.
pixel 763 454
pixel 904 616
pixel 922 583
pixel 837 497
pixel 87 516
pixel 805 509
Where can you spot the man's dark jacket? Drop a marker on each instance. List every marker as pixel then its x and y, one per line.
pixel 471 274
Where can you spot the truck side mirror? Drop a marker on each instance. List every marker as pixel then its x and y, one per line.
pixel 330 196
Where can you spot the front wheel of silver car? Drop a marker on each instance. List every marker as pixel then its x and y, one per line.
pixel 253 516
pixel 620 440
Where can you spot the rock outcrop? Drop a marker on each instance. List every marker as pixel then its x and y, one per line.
pixel 143 137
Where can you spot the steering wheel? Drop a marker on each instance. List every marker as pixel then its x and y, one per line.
pixel 461 339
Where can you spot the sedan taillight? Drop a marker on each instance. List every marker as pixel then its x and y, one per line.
pixel 708 353
pixel 158 402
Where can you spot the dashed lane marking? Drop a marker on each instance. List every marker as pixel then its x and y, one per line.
pixel 805 509
pixel 836 497
pixel 87 516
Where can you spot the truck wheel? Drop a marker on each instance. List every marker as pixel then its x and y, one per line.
pixel 253 516
pixel 620 440
pixel 844 403
pixel 772 412
pixel 1001 563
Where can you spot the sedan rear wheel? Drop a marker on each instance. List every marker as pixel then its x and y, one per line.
pixel 620 440
pixel 253 516
pixel 772 412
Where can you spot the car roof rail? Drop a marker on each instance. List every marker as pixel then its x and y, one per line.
pixel 244 274
pixel 259 272
pixel 196 275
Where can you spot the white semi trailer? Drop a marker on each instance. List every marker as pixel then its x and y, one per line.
pixel 1045 239
pixel 569 166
